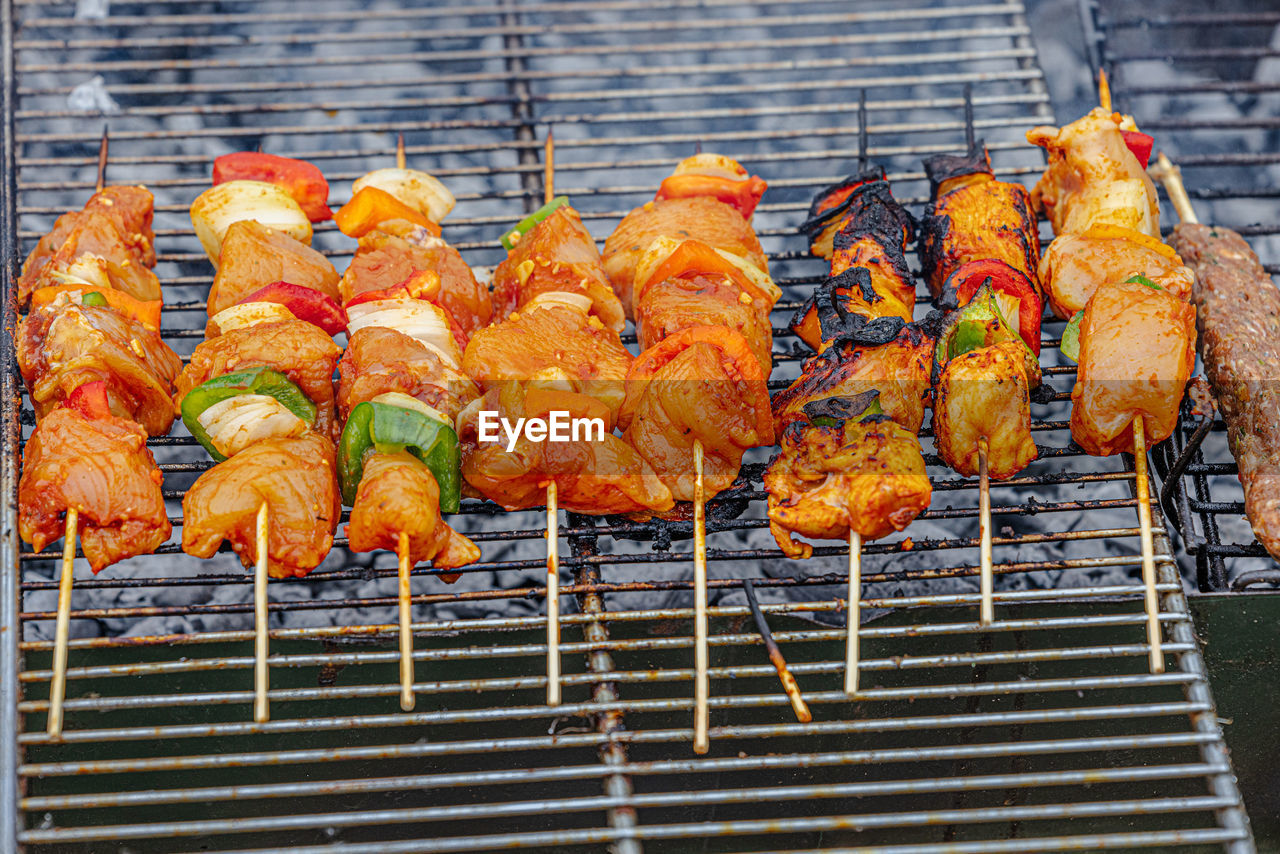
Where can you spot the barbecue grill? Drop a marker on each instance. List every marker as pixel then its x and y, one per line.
pixel 1044 732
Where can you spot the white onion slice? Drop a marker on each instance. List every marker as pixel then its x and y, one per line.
pixel 419 190
pixel 404 401
pixel 248 314
pixel 713 166
pixel 581 302
pixel 237 422
pixel 217 208
pixel 420 320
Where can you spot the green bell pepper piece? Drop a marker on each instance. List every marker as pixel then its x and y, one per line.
pixel 527 224
pixel 836 411
pixel 980 323
pixel 387 429
pixel 252 381
pixel 93 298
pixel 1071 337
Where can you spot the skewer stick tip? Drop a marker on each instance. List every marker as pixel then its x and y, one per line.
pixel 1104 90
pixel 986 579
pixel 701 679
pixel 103 148
pixel 776 658
pixel 1150 599
pixel 261 709
pixel 407 698
pixel 401 160
pixel 1164 171
pixel 853 615
pixel 62 627
pixel 549 167
pixel 553 597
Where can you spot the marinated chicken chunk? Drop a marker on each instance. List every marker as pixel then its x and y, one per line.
pixel 297 349
pixel 64 346
pixel 100 466
pixel 295 477
pixel 699 218
pixel 398 494
pixel 559 254
pixel 672 305
pixel 1137 349
pixel 983 395
pixel 865 476
pixel 702 384
pixel 254 256
pixel 1075 265
pixel 893 290
pixel 379 360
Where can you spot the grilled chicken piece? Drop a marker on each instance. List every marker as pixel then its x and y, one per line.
pixel 1075 265
pixel 703 384
pixel 379 360
pixel 670 306
pixel 860 203
pixel 101 467
pixel 698 217
pixel 1093 178
pixel 1137 349
pixel 398 494
pixel 297 480
pixel 385 260
pixel 115 226
pixel 600 474
pixel 983 394
pixel 64 346
pixel 972 217
pixel 559 254
pixel 896 364
pixel 295 348
pixel 553 344
pixel 254 256
pixel 891 281
pixel 866 476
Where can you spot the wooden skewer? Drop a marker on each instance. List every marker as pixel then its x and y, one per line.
pixel 987 611
pixel 400 158
pixel 1170 175
pixel 102 160
pixel 57 688
pixel 553 598
pixel 853 617
pixel 798 705
pixel 1104 90
pixel 1152 603
pixel 406 624
pixel 701 680
pixel 261 710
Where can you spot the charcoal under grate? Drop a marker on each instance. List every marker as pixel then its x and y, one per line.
pixel 1043 732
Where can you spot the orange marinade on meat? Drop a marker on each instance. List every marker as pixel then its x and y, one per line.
pixel 379 360
pixel 698 217
pixel 890 279
pixel 559 254
pixel 675 304
pixel 254 256
pixel 1075 265
pixel 385 260
pixel 1137 349
pixel 399 494
pixel 866 476
pixel 295 477
pixel 61 347
pixel 103 469
pixel 299 350
pixel 984 394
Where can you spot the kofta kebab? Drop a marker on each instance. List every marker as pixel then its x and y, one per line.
pixel 431 351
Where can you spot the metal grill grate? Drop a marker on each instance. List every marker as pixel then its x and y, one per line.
pixel 1207 85
pixel 1042 734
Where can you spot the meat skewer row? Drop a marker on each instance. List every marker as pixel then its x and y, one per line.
pixel 258 392
pixel 850 464
pixel 690 271
pixel 410 301
pixel 1134 339
pixel 99 377
pixel 978 249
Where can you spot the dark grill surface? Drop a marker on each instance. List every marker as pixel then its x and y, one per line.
pixel 1044 733
pixel 1206 84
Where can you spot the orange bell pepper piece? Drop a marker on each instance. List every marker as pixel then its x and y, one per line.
pixel 370 207
pixel 146 312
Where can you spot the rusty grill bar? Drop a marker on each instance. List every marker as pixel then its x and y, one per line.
pixel 1043 733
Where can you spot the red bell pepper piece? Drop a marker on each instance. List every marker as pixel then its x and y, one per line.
pixel 1140 144
pixel 371 207
pixel 304 303
pixel 300 179
pixel 742 195
pixel 965 281
pixel 90 400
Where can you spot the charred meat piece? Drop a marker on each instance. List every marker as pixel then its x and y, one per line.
pixel 983 395
pixel 297 480
pixel 299 350
pixel 64 346
pixel 1093 178
pixel 859 203
pixel 863 475
pixel 379 360
pixel 841 305
pixel 254 256
pixel 1075 265
pixel 597 473
pixel 399 494
pixel 701 384
pixel 555 345
pixel 559 254
pixel 1137 349
pixel 103 469
pixel 698 217
pixel 675 304
pixel 885 262
pixel 385 260
pixel 972 216
pixel 1238 309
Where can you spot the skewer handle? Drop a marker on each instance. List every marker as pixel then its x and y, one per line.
pixel 986 579
pixel 1169 174
pixel 701 680
pixel 62 629
pixel 261 708
pixel 1104 90
pixel 553 597
pixel 407 699
pixel 1152 602
pixel 549 167
pixel 853 616
pixel 401 160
